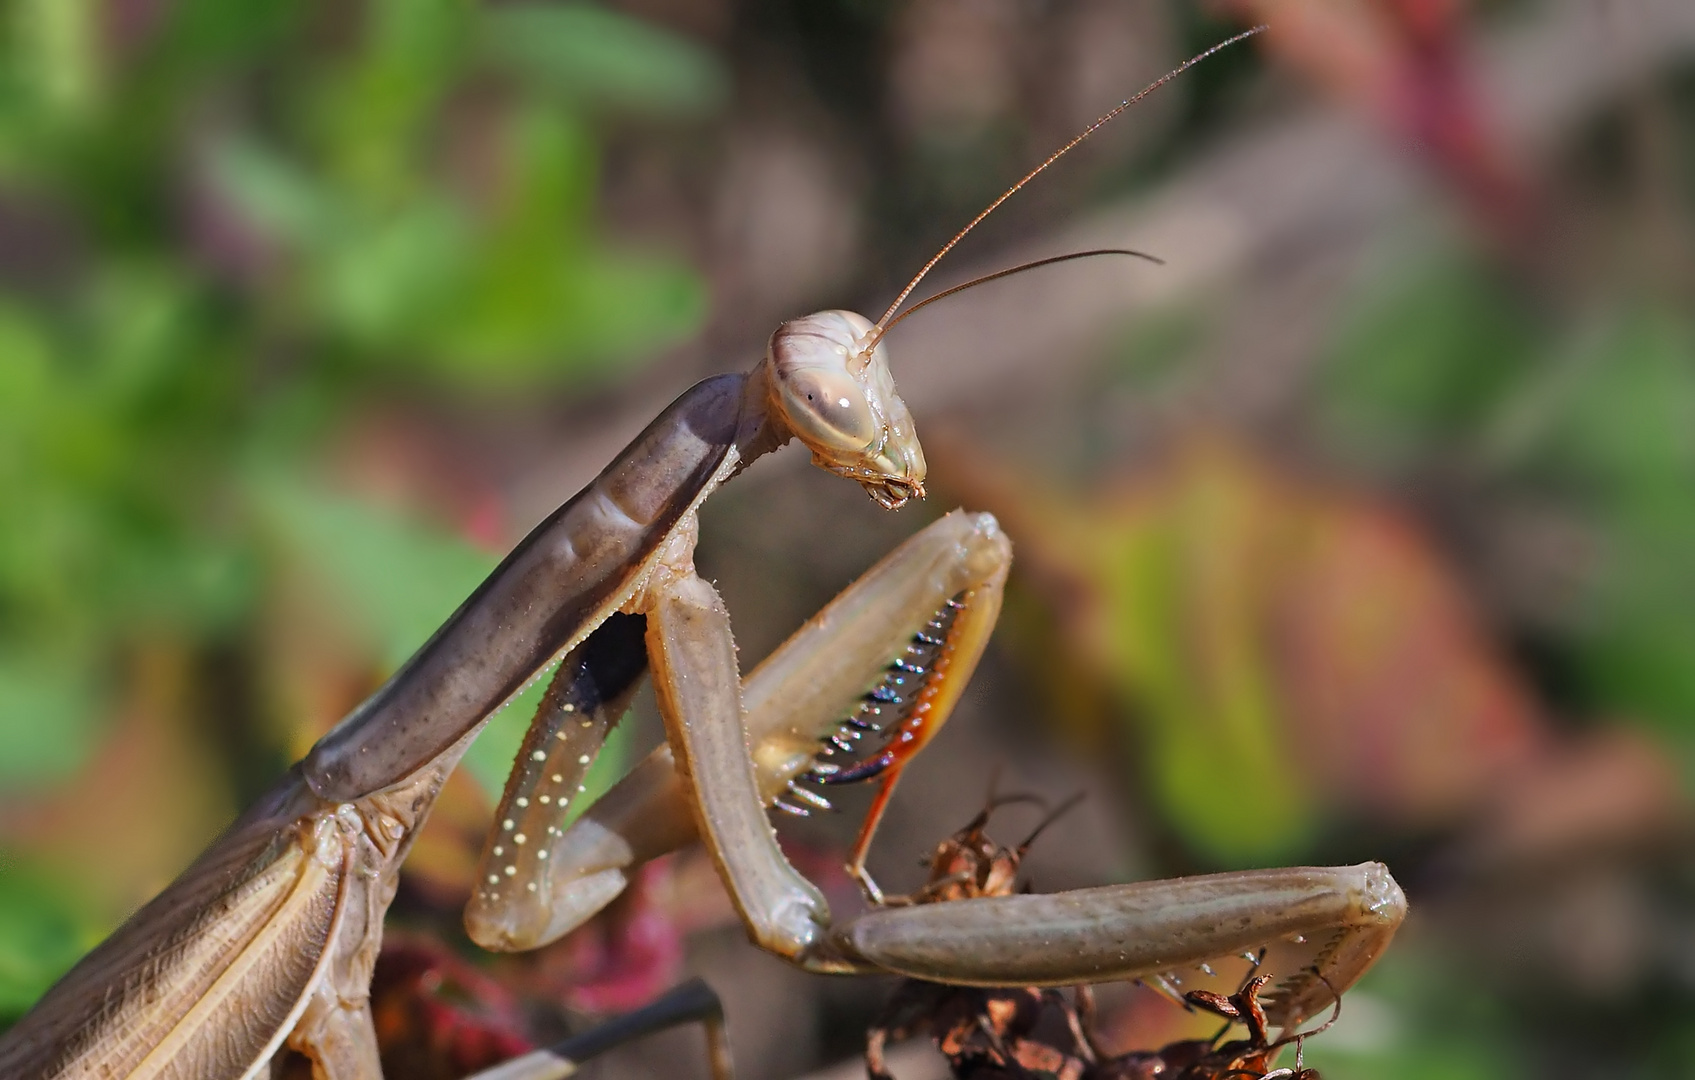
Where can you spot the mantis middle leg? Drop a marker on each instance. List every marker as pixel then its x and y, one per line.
pixel 692 1002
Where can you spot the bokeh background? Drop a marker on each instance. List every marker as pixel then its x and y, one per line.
pixel 1360 529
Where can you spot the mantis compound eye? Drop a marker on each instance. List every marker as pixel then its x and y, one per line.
pixel 825 403
pixel 828 407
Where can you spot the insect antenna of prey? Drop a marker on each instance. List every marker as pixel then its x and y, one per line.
pixel 1052 816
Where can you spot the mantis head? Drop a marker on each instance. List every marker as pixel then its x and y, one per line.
pixel 832 387
pixel 830 383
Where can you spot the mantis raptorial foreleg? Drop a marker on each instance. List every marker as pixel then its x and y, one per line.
pixel 890 654
pixel 521 892
pixel 1316 923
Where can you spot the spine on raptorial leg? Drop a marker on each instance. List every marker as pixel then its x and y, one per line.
pixel 814 686
pixel 543 597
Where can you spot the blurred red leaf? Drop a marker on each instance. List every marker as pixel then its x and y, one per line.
pixel 627 956
pixel 1286 649
pixel 1406 63
pixel 439 1016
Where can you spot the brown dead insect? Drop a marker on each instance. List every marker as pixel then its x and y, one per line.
pixel 1240 1059
pixel 1035 1033
pixel 983 1031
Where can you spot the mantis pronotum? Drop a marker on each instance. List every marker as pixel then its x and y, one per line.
pixel 271 935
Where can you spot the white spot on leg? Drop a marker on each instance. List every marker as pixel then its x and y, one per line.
pixel 507 825
pixel 542 854
pixel 511 871
pixel 519 839
pixel 522 802
pixel 583 759
pixel 494 879
pixel 498 851
pixel 539 755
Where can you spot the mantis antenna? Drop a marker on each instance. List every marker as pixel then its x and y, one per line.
pixel 1011 270
pixel 889 318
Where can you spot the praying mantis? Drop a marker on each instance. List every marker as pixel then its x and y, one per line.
pixel 270 937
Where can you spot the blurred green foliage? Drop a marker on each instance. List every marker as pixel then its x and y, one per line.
pixel 263 231
pixel 1592 413
pixel 1419 1024
pixel 245 219
pixel 43 930
pixel 1587 414
pixel 1180 586
pixel 375 561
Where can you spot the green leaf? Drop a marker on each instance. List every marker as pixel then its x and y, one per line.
pixel 398 578
pixel 390 282
pixel 1623 441
pixel 1630 421
pixel 55 53
pixel 44 929
pixel 26 380
pixel 377 111
pixel 1427 359
pixel 48 720
pixel 590 54
pixel 195 35
pixel 1202 721
pixel 570 320
pixel 273 194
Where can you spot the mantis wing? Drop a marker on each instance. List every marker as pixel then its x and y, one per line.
pixel 242 933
